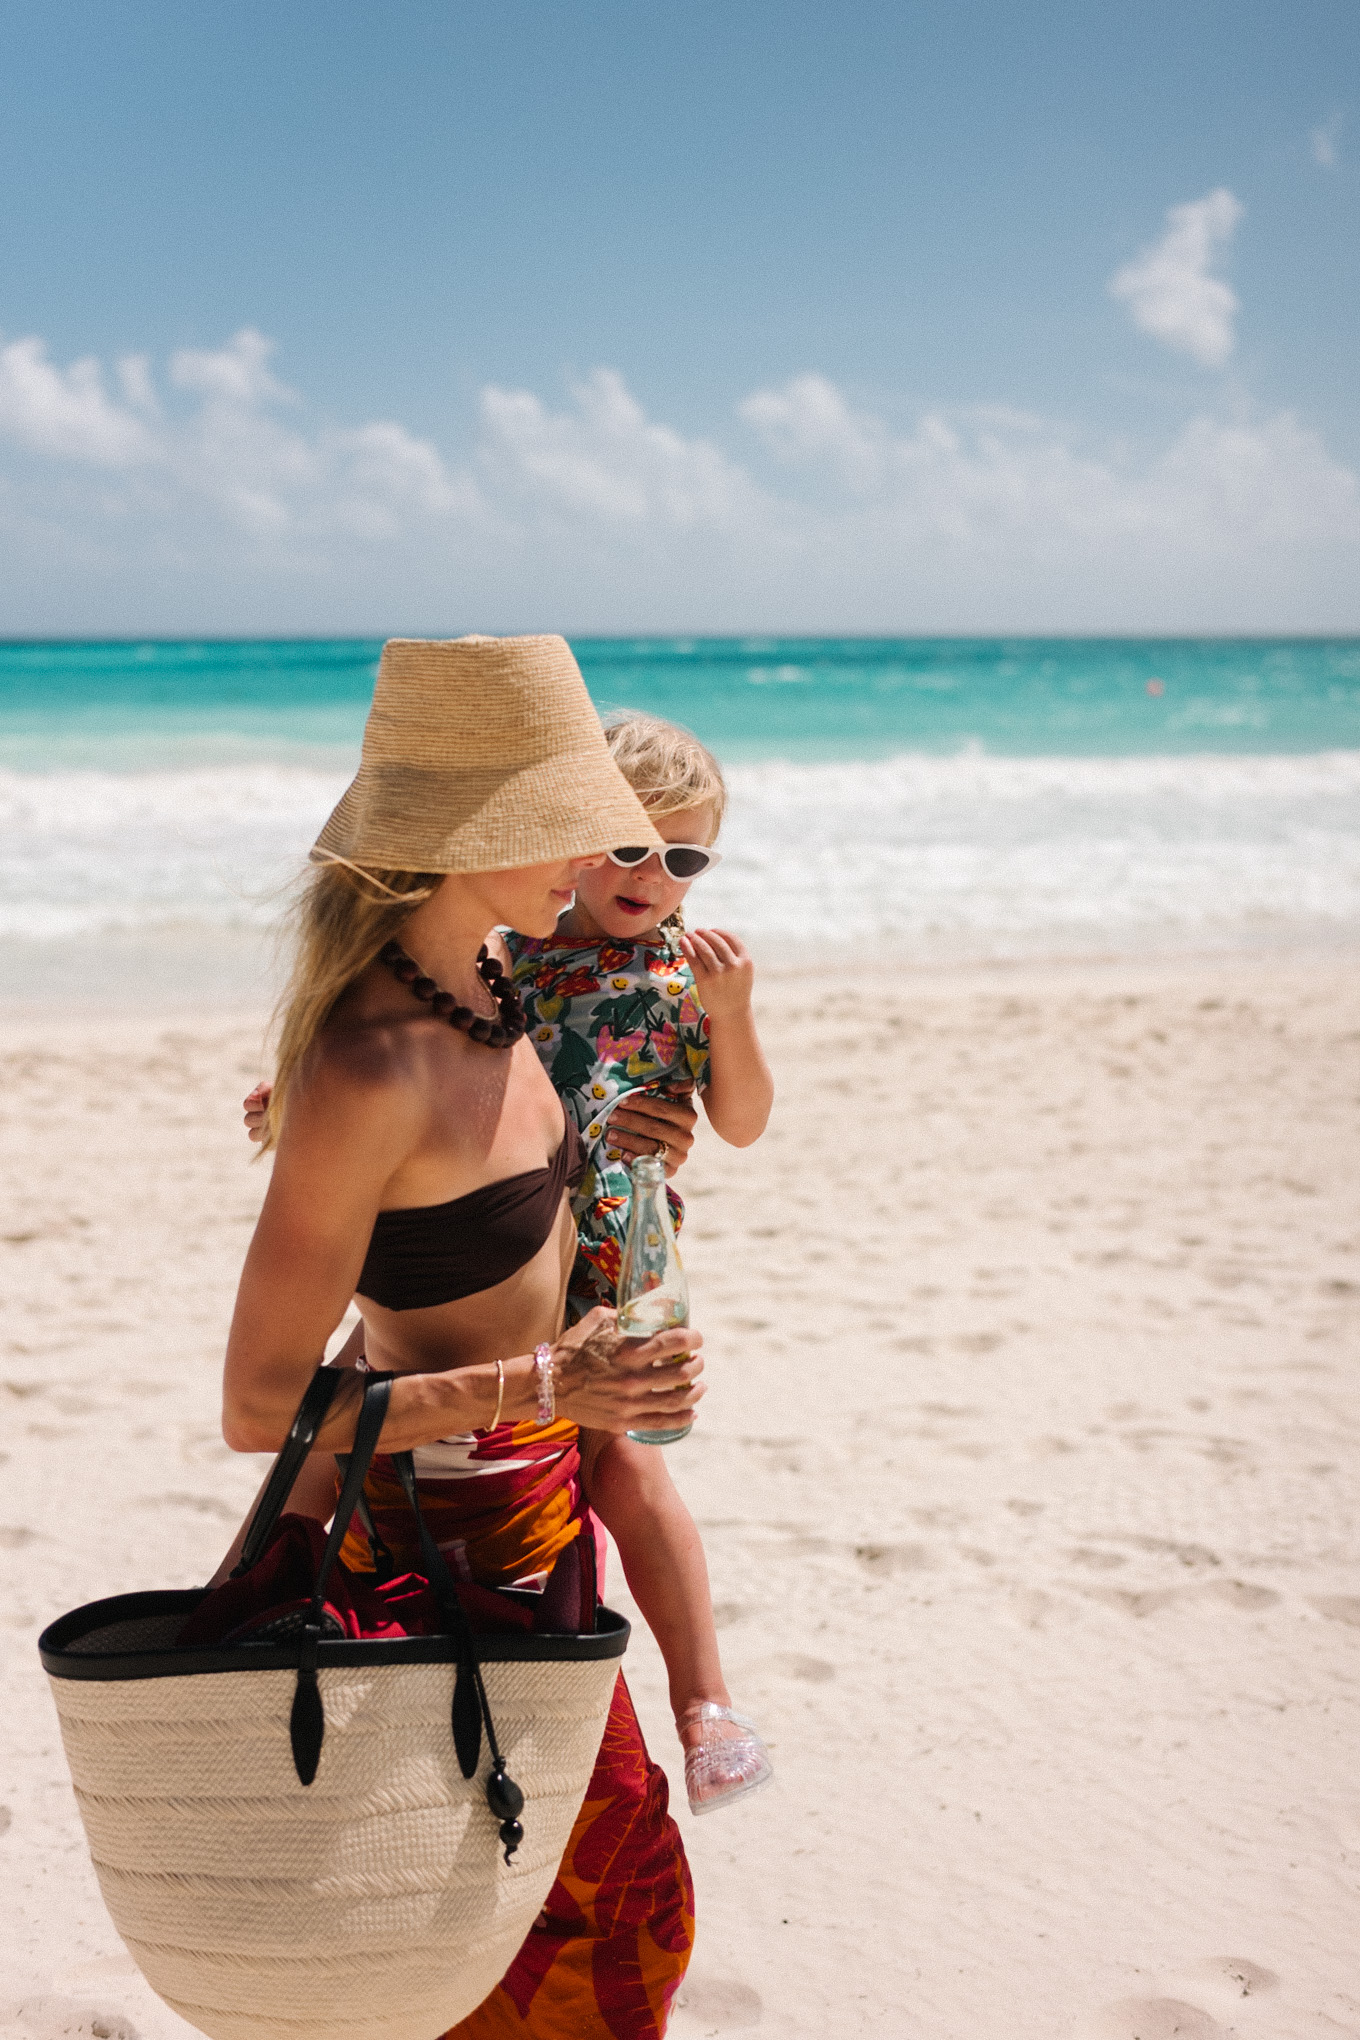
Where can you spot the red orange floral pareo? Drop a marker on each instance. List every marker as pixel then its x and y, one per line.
pixel 608 1952
pixel 608 1019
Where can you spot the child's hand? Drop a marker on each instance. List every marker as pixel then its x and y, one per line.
pixel 255 1107
pixel 723 972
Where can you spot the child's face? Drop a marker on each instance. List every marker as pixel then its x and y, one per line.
pixel 627 903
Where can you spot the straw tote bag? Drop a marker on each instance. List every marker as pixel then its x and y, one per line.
pixel 291 1833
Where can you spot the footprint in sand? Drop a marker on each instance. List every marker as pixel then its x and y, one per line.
pixel 64 2018
pixel 1340 1607
pixel 1238 1594
pixel 892 1558
pixel 1230 1978
pixel 816 1671
pixel 1149 1602
pixel 1151 2019
pixel 1248 1600
pixel 716 2005
pixel 202 1505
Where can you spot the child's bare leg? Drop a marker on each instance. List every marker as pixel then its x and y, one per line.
pixel 630 1488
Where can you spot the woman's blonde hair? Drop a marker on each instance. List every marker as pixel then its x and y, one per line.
pixel 666 766
pixel 343 916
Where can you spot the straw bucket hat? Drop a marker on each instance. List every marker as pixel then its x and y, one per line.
pixel 481 754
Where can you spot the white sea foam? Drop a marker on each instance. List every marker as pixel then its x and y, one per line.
pixel 93 852
pixel 971 854
pixel 1006 856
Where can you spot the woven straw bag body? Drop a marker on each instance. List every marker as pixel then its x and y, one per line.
pixel 371 1903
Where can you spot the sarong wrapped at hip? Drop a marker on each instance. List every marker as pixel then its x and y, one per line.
pixel 607 1954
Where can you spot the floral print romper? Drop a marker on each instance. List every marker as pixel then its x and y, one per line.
pixel 609 1018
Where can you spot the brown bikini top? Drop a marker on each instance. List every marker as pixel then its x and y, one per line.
pixel 425 1254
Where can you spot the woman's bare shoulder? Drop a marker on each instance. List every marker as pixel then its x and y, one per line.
pixel 363 1068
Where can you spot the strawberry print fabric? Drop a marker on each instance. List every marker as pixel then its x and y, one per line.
pixel 609 1019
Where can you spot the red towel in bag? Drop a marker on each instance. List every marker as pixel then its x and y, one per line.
pixel 271 1603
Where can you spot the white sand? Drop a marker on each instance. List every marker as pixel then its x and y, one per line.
pixel 1028 1478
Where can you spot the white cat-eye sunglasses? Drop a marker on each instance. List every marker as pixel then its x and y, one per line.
pixel 681 860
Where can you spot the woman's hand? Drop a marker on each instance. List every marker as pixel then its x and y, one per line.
pixel 255 1107
pixel 724 974
pixel 605 1382
pixel 655 1124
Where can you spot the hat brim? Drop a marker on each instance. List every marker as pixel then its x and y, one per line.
pixel 409 818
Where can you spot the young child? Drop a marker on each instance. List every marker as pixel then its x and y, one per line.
pixel 621 1000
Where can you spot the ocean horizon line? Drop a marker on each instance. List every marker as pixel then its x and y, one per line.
pixel 57 641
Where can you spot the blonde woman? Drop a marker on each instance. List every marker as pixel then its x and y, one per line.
pixel 423 1163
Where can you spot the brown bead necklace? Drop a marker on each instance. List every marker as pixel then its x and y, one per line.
pixel 502 1033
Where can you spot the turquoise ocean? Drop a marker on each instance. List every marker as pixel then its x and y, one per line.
pixel 933 798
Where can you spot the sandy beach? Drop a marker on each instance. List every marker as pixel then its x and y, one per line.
pixel 1028 1477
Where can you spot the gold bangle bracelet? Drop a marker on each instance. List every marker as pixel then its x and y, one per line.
pixel 500 1394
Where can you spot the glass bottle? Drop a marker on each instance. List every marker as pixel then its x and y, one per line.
pixel 653 1294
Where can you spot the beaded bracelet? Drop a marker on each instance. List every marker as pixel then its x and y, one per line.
pixel 547 1394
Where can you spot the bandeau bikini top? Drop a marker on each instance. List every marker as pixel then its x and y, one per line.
pixel 426 1254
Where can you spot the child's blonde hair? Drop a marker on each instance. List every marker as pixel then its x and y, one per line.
pixel 666 766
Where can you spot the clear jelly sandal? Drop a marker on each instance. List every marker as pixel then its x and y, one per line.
pixel 721 1765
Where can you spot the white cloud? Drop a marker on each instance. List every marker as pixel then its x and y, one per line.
pixel 213 489
pixel 1326 143
pixel 230 452
pixel 1169 289
pixel 237 374
pixel 134 373
pixel 608 460
pixel 392 477
pixel 66 414
pixel 808 418
pixel 997 485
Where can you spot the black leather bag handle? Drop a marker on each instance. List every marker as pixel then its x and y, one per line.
pixel 354 1467
pixel 471 1708
pixel 468 1699
pixel 307 1722
pixel 311 1414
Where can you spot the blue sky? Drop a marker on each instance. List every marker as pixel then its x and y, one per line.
pixel 737 316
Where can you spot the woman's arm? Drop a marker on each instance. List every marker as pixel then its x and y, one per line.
pixel 740 1090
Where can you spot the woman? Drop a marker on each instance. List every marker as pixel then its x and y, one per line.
pixel 423 1162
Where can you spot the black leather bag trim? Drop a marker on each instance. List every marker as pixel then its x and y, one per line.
pixel 62 1660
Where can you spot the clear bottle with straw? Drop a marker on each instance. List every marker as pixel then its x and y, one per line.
pixel 653 1294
